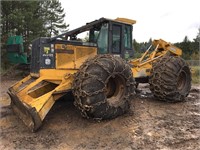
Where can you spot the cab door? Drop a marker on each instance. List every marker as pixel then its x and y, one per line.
pixel 116 43
pixel 120 39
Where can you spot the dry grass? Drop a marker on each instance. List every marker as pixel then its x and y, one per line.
pixel 195 74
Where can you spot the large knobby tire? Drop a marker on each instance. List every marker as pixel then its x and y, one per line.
pixel 103 87
pixel 170 79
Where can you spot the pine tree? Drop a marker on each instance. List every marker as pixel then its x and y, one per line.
pixel 31 19
pixel 198 38
pixel 198 35
pixel 136 45
pixel 54 16
pixel 22 18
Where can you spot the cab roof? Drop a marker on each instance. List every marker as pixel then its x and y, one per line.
pixel 94 23
pixel 125 20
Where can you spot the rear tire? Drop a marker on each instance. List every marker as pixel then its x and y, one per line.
pixel 170 79
pixel 103 87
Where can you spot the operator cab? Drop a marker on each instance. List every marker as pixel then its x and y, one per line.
pixel 113 38
pixel 110 36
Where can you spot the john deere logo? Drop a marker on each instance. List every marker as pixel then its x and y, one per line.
pixel 46 50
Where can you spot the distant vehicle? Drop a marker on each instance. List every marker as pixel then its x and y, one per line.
pixel 15 50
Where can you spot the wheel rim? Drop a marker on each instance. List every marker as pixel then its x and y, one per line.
pixel 115 89
pixel 181 84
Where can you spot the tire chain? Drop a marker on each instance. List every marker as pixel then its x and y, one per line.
pixel 157 83
pixel 81 74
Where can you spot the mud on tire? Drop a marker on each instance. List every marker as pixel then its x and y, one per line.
pixel 170 79
pixel 103 87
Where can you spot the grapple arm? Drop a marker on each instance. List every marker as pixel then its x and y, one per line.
pixel 142 66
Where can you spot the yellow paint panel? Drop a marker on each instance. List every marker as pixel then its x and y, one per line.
pixel 84 51
pixel 53 74
pixel 126 20
pixel 65 56
pixel 59 46
pixel 72 57
pixel 64 60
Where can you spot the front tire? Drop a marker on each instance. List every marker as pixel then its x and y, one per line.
pixel 170 79
pixel 103 87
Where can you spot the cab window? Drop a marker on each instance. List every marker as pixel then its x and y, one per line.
pixel 102 40
pixel 116 38
pixel 127 37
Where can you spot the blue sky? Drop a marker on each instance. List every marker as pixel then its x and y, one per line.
pixel 170 20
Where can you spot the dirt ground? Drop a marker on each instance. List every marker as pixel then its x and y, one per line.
pixel 150 124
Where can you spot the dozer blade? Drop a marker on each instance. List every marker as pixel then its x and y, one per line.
pixel 32 98
pixel 25 112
